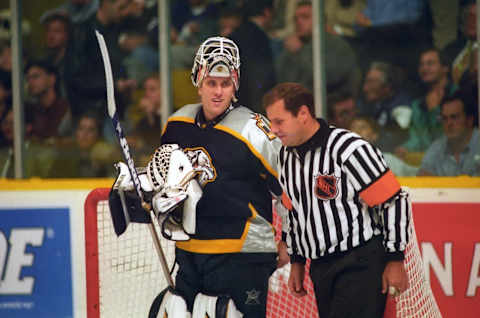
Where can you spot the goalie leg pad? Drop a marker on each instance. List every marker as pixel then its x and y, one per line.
pixel 215 307
pixel 172 305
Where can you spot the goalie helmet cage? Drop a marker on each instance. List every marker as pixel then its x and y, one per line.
pixel 124 274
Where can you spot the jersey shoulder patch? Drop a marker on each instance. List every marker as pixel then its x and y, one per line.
pixel 264 125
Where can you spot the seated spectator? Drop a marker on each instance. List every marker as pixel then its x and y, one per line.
pixel 387 103
pixel 257 68
pixel 369 130
pixel 341 110
pixel 457 152
pixel 51 113
pixel 148 128
pixel 425 125
pixel 38 158
pixel 461 51
pixel 295 63
pixel 57 34
pixel 87 155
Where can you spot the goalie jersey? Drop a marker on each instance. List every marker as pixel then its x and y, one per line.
pixel 237 154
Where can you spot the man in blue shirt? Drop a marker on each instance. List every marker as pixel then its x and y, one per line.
pixel 457 152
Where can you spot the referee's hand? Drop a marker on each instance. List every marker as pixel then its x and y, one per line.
pixel 295 281
pixel 394 278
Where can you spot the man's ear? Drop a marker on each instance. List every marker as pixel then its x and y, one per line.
pixel 303 112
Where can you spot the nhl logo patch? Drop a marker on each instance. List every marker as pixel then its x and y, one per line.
pixel 325 186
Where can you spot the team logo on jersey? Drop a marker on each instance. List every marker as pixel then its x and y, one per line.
pixel 325 186
pixel 264 126
pixel 201 159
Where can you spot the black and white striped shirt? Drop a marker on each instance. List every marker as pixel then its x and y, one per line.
pixel 342 194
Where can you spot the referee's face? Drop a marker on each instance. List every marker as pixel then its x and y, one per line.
pixel 288 128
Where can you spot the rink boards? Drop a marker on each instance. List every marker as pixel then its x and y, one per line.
pixel 42 253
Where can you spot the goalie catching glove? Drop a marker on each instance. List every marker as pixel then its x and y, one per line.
pixel 169 184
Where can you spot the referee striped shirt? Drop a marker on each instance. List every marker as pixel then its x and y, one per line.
pixel 341 194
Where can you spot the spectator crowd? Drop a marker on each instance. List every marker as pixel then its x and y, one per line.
pixel 402 74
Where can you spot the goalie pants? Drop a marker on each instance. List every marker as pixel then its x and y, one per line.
pixel 350 285
pixel 242 276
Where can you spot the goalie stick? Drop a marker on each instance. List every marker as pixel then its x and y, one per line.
pixel 112 113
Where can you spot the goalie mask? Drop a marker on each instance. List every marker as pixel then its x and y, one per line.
pixel 217 56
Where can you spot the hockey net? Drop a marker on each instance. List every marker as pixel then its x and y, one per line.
pixel 124 274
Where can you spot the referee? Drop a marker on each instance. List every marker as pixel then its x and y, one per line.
pixel 347 212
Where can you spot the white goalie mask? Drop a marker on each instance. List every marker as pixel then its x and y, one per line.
pixel 217 56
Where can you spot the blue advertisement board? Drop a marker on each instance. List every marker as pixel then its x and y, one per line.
pixel 35 263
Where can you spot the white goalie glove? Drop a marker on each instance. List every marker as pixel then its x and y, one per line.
pixel 176 189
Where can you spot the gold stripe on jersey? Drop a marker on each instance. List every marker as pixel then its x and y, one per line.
pixel 250 146
pixel 219 245
pixel 178 118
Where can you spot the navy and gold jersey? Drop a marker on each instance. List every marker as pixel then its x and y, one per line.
pixel 238 154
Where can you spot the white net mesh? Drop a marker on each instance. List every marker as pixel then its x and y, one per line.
pixel 129 272
pixel 418 299
pixel 130 276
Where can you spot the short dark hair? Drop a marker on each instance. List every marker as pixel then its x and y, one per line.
pixel 91 114
pixel 335 98
pixel 441 55
pixel 56 15
pixel 44 65
pixel 294 96
pixel 468 101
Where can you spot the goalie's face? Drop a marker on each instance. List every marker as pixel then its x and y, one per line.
pixel 216 94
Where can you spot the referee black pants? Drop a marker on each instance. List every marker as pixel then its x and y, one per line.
pixel 242 276
pixel 350 285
